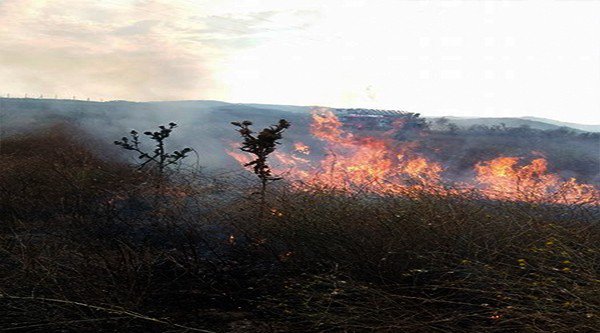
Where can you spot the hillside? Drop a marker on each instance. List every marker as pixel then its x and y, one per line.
pixel 406 229
pixel 582 127
pixel 202 123
pixel 18 113
pixel 205 125
pixel 190 109
pixel 532 122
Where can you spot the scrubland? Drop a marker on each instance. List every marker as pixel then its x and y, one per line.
pixel 90 244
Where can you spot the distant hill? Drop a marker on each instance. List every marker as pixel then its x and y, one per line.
pixel 193 108
pixel 535 123
pixel 587 128
pixel 202 123
pixel 205 126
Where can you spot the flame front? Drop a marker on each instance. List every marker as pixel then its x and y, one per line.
pixel 362 163
pixel 502 178
pixel 357 163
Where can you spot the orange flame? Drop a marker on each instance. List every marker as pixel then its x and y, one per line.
pixel 301 148
pixel 355 162
pixel 240 157
pixel 502 178
pixel 359 163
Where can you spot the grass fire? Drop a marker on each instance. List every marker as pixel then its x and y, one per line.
pixel 331 220
pixel 376 162
pixel 280 166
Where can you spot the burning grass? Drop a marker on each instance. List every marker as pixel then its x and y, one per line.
pixel 381 163
pixel 120 254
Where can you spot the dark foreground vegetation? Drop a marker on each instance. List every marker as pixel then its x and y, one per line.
pixel 88 244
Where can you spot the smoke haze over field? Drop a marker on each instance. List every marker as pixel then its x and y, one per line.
pixel 205 126
pixel 459 58
pixel 299 165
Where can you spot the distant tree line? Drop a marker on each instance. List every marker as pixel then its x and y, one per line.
pixel 445 126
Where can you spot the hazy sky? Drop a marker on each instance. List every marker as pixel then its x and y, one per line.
pixel 464 58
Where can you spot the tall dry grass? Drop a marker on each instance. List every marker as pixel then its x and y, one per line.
pixel 87 244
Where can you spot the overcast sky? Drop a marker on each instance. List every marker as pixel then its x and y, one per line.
pixel 462 58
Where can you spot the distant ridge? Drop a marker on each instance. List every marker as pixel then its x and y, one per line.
pixel 583 127
pixel 535 123
pixel 66 105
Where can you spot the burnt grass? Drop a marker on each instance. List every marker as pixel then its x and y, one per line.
pixel 88 244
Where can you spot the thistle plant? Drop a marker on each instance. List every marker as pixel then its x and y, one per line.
pixel 159 155
pixel 261 146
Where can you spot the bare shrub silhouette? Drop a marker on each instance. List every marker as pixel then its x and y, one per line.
pixel 261 146
pixel 159 155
